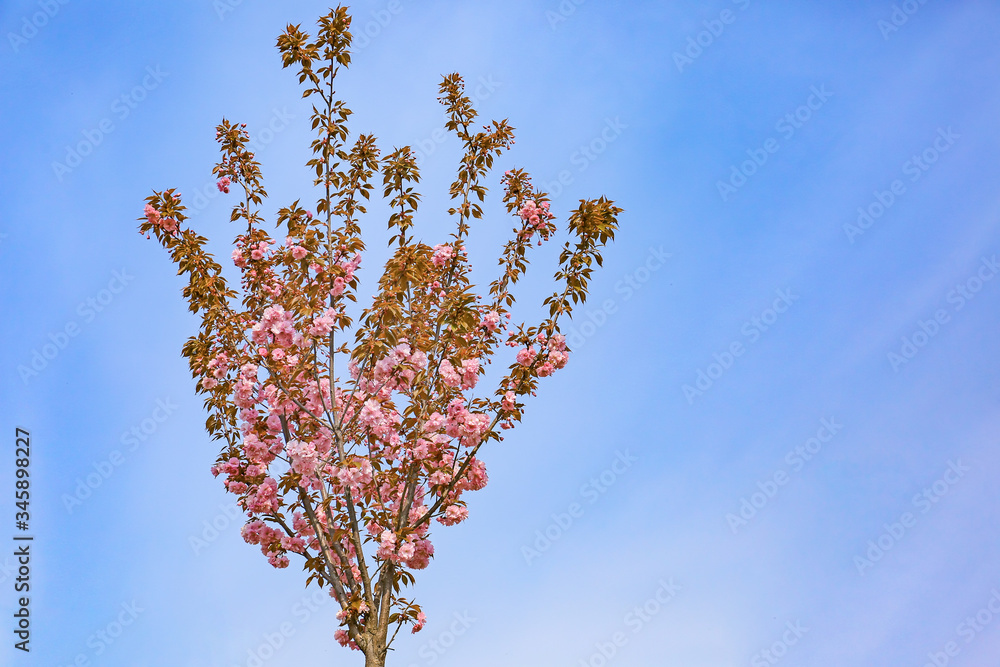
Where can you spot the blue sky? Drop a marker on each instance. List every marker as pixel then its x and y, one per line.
pixel 869 349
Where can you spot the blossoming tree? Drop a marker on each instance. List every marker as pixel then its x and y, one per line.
pixel 344 439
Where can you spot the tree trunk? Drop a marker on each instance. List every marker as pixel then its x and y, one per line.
pixel 375 656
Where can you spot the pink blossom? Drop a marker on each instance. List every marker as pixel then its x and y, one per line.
pixel 303 457
pixel 338 286
pixel 251 531
pixel 278 561
pixel 295 544
pixel 256 450
pixel 418 360
pixel 470 373
pixel 322 326
pixel 343 638
pixel 419 624
pixel 442 253
pixel 421 554
pixel 439 477
pixel 434 423
pixel 475 478
pixel 168 225
pixel 491 320
pixel 454 514
pixel 219 365
pixel 449 374
pixel 387 544
pixel 238 488
pixel 223 184
pixel 407 550
pixel 266 498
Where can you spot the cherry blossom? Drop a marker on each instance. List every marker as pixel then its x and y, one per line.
pixel 349 431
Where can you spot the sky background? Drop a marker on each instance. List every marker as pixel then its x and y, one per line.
pixel 604 102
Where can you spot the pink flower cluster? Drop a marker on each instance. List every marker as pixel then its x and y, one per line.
pixel 259 250
pixel 277 327
pixel 223 184
pixel 303 457
pixel 414 551
pixel 345 640
pixel 297 251
pixel 370 437
pixel 323 325
pixel 491 321
pixel 556 357
pixel 217 369
pixel 265 499
pixel 340 282
pixel 169 225
pixel 421 621
pixel 442 254
pixel 269 539
pixel 469 426
pixel 538 217
pixel 466 376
